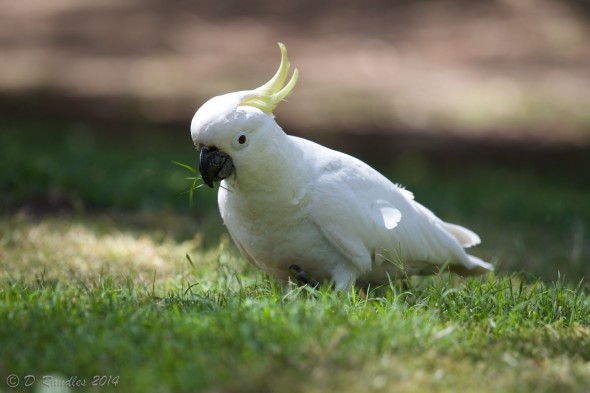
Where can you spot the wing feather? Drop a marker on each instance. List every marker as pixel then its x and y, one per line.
pixel 362 214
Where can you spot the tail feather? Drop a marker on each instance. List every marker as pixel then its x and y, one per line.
pixel 477 266
pixel 466 237
pixel 480 263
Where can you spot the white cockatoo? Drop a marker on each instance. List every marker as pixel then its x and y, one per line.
pixel 292 205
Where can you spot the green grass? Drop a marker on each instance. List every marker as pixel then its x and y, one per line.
pixel 105 270
pixel 489 335
pixel 76 166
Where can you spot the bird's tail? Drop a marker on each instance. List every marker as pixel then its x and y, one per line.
pixel 479 266
pixel 476 267
pixel 466 237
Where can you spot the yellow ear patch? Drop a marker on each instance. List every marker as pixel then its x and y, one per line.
pixel 267 96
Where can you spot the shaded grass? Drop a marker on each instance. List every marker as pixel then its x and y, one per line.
pixel 76 167
pixel 530 220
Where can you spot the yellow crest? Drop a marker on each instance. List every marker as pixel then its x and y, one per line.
pixel 267 96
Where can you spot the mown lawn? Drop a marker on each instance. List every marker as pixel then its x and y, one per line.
pixel 108 276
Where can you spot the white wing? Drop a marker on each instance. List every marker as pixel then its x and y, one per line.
pixel 363 215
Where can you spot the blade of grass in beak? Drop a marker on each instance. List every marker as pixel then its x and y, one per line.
pixel 190 168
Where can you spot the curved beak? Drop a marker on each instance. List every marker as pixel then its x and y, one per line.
pixel 214 165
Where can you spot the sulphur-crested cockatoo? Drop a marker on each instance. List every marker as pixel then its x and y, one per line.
pixel 291 204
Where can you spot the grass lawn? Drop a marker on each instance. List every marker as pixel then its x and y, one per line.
pixel 108 277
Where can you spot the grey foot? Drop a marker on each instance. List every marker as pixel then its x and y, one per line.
pixel 301 277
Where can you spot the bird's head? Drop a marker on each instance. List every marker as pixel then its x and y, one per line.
pixel 236 129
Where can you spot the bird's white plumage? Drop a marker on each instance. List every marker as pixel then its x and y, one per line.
pixel 292 201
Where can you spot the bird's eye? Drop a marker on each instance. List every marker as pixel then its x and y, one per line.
pixel 240 140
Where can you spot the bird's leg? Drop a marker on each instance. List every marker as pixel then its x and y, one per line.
pixel 301 277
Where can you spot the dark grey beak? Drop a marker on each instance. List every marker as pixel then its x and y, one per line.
pixel 214 165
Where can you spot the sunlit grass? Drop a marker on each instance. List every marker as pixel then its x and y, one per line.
pixel 66 249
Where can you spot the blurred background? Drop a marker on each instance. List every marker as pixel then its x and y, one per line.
pixel 482 108
pixel 508 69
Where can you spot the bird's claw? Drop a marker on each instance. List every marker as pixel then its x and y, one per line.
pixel 302 277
